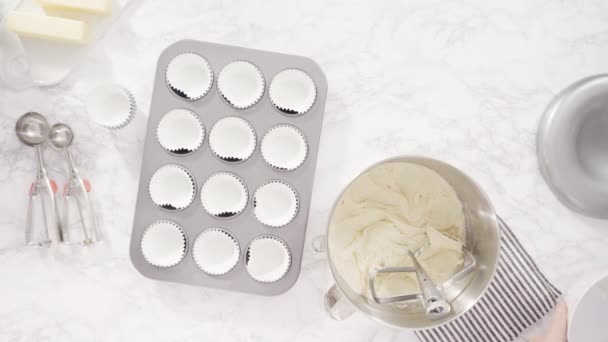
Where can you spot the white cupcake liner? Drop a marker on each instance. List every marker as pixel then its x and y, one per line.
pixel 172 187
pixel 189 76
pixel 110 105
pixel 241 84
pixel 215 251
pixel 180 132
pixel 267 259
pixel 275 204
pixel 292 91
pixel 232 139
pixel 284 147
pixel 163 243
pixel 224 195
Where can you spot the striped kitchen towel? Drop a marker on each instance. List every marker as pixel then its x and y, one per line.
pixel 518 296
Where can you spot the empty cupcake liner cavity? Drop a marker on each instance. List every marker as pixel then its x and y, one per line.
pixel 224 195
pixel 110 105
pixel 172 187
pixel 232 139
pixel 215 251
pixel 241 84
pixel 284 147
pixel 180 132
pixel 189 76
pixel 163 243
pixel 275 204
pixel 292 91
pixel 267 259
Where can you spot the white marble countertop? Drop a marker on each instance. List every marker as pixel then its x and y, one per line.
pixel 463 81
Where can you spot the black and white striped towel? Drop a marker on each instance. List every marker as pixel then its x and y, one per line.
pixel 518 296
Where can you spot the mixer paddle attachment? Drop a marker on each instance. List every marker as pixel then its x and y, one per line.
pixel 435 304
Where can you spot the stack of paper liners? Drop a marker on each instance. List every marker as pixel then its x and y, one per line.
pixel 111 105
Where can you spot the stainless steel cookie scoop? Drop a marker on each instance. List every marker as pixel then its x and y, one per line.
pixel 42 227
pixel 79 220
pixel 434 302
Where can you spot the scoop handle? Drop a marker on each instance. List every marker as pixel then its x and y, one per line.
pixel 42 225
pixel 78 205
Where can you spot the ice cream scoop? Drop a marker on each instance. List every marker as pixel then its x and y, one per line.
pixel 42 225
pixel 76 193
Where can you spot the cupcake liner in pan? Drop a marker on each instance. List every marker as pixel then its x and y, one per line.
pixel 267 259
pixel 172 187
pixel 232 139
pixel 215 251
pixel 275 204
pixel 249 144
pixel 284 147
pixel 189 76
pixel 292 92
pixel 241 84
pixel 163 244
pixel 180 132
pixel 224 195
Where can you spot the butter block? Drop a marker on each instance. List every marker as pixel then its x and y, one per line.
pixel 47 27
pixel 86 6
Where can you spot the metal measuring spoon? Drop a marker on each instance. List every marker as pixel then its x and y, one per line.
pixel 77 189
pixel 32 129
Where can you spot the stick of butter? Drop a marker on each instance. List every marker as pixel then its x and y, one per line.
pixel 47 27
pixel 87 6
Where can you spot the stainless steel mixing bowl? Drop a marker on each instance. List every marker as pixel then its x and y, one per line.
pixel 572 146
pixel 483 238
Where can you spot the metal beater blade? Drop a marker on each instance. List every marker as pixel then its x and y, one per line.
pixel 433 300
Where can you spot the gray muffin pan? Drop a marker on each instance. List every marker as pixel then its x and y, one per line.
pixel 202 163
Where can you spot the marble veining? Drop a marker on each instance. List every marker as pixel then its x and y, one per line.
pixel 463 81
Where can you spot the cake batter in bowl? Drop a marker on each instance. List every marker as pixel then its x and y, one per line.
pixel 432 203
